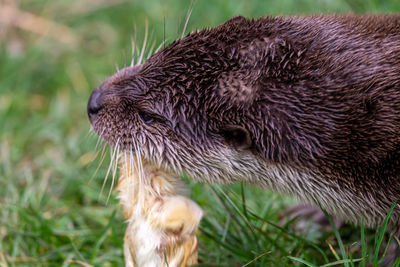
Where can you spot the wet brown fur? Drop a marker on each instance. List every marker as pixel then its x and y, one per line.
pixel 308 106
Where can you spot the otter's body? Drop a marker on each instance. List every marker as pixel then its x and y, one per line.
pixel 308 106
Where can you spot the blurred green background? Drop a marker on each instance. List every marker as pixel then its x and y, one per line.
pixel 53 53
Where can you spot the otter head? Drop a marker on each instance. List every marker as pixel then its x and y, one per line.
pixel 286 103
pixel 192 107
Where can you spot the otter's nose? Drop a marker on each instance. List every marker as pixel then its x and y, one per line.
pixel 95 104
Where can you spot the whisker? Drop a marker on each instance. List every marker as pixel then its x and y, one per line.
pixel 177 28
pixel 113 150
pixel 136 46
pixel 140 164
pixel 102 157
pixel 140 168
pixel 141 175
pixel 133 44
pixel 131 159
pixel 137 162
pixel 144 41
pixel 115 167
pixel 159 47
pixel 188 14
pixel 90 132
pixel 151 50
pixel 128 173
pixel 99 140
pixel 124 56
pixel 103 150
pixel 138 195
pixel 164 40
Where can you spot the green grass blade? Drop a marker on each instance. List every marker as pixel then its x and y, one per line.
pixel 102 237
pixel 294 236
pixel 396 262
pixel 338 238
pixel 380 235
pixel 302 261
pixel 363 246
pixel 340 262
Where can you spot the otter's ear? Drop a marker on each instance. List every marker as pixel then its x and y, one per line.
pixel 236 136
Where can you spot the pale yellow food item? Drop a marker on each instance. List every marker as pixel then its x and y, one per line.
pixel 162 223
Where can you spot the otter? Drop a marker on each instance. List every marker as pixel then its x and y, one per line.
pixel 307 106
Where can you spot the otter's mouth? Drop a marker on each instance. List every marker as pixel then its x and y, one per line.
pixel 122 134
pixel 112 120
pixel 115 135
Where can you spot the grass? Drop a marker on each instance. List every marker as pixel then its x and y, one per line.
pixel 52 212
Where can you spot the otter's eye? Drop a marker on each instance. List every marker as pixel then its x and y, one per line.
pixel 146 117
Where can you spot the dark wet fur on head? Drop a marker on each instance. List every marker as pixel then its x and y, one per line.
pixel 308 106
